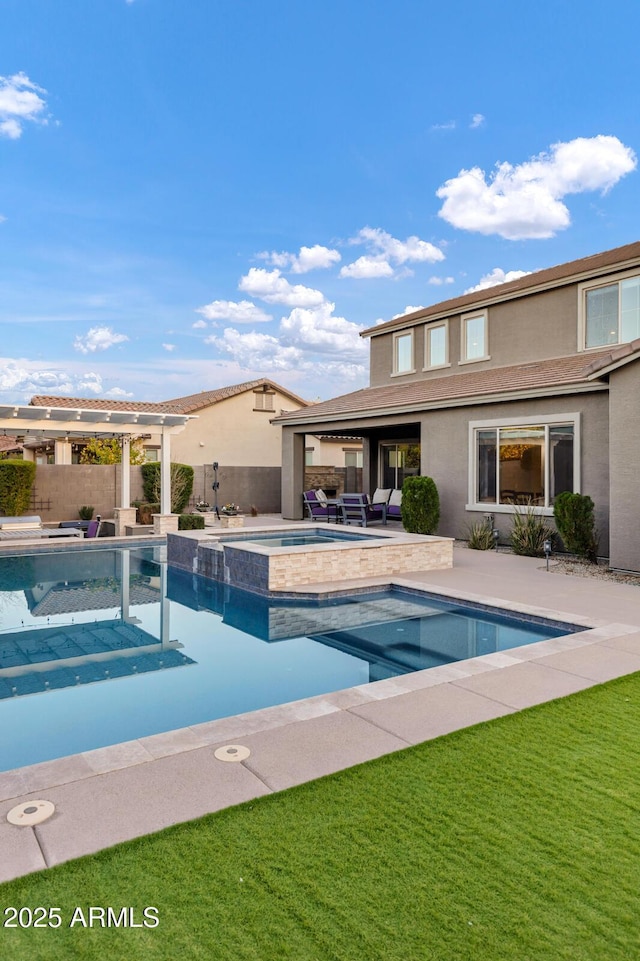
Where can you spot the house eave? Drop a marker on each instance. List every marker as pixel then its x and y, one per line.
pixel 424 406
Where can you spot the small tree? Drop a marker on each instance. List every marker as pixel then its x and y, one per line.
pixel 420 505
pixel 181 484
pixel 573 514
pixel 16 481
pixel 108 450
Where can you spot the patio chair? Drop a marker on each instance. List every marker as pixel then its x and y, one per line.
pixel 318 506
pixel 356 509
pixel 394 507
pixel 93 530
pixel 379 502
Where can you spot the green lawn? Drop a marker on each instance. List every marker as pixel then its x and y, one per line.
pixel 518 839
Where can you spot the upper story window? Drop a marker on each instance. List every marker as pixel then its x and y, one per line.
pixel 436 347
pixel 474 338
pixel 403 353
pixel 263 400
pixel 612 313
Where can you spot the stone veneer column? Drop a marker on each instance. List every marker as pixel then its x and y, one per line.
pixel 165 523
pixel 124 516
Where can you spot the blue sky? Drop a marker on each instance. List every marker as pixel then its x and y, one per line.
pixel 199 193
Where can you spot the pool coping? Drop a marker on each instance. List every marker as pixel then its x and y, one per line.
pixel 372 719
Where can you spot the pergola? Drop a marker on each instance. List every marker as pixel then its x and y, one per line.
pixel 38 423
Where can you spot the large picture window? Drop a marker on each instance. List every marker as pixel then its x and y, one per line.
pixel 523 464
pixel 612 313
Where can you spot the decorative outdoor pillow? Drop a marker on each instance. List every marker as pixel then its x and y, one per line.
pixel 396 498
pixel 321 496
pixel 381 495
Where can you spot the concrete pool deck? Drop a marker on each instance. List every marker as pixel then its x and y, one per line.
pixel 117 793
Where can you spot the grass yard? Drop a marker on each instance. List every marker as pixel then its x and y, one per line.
pixel 518 839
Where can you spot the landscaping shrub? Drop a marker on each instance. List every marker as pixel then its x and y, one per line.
pixel 481 536
pixel 16 481
pixel 574 519
pixel 181 484
pixel 191 522
pixel 420 505
pixel 529 532
pixel 85 513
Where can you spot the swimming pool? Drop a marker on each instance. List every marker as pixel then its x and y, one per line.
pixel 299 538
pixel 112 645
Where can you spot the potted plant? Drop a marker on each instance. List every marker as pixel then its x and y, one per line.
pixel 230 509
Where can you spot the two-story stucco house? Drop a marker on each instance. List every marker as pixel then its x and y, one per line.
pixel 504 396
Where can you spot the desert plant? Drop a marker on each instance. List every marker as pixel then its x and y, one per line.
pixel 191 522
pixel 481 536
pixel 529 532
pixel 181 484
pixel 16 481
pixel 85 513
pixel 420 505
pixel 573 514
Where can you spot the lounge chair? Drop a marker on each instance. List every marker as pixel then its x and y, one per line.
pixel 394 506
pixel 319 507
pixel 356 509
pixel 13 528
pixel 379 501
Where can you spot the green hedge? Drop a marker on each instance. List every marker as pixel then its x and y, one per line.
pixel 420 505
pixel 181 484
pixel 191 522
pixel 16 481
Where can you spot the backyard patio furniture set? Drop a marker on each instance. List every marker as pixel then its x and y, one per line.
pixel 360 509
pixel 31 526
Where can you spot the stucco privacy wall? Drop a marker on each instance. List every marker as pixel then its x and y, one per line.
pixel 624 454
pixel 60 490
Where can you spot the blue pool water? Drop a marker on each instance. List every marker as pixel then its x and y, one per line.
pixel 107 646
pixel 300 538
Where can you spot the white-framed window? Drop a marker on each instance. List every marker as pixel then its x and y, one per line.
pixel 609 312
pixel 308 456
pixel 522 462
pixel 436 345
pixel 403 352
pixel 474 338
pixel 352 457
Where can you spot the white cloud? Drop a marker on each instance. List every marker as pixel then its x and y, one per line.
pixel 365 267
pixel 447 125
pixel 525 201
pixel 19 103
pixel 386 250
pixel 118 393
pixel 241 312
pixel 407 310
pixel 199 324
pixel 24 377
pixel 313 341
pixel 497 276
pixel 169 347
pixel 440 281
pixel 309 258
pixel 477 121
pixel 272 287
pixel 98 338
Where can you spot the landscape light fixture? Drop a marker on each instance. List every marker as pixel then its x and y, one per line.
pixel 496 537
pixel 547 551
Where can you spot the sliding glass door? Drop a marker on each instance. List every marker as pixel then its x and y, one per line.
pixel 398 461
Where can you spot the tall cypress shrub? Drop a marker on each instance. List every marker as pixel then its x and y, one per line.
pixel 573 514
pixel 420 505
pixel 181 484
pixel 16 481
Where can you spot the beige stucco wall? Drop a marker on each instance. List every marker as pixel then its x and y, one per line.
pixel 536 327
pixel 233 433
pixel 624 454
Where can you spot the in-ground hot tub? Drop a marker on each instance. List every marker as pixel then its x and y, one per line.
pixel 283 559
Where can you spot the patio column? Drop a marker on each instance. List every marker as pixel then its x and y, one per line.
pixel 125 515
pixel 292 474
pixel 165 521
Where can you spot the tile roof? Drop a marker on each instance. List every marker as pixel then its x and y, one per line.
pixel 606 262
pixel 456 388
pixel 178 405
